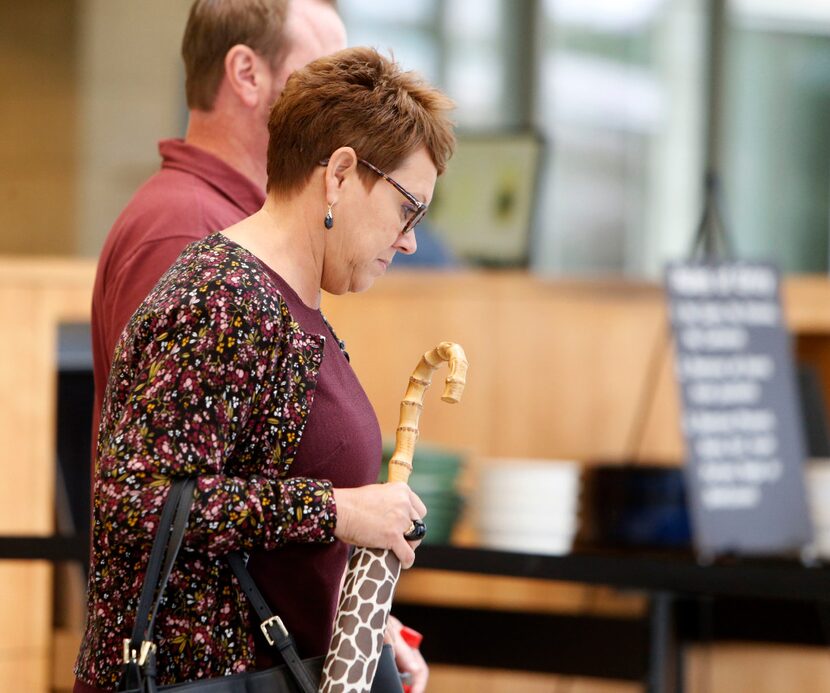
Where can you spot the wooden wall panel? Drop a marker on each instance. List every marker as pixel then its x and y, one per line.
pixel 453 679
pixel 739 667
pixel 726 668
pixel 38 122
pixel 556 369
pixel 35 297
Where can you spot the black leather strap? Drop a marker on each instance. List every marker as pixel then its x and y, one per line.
pixel 139 665
pixel 272 626
pixel 174 543
pixel 249 587
pixel 151 576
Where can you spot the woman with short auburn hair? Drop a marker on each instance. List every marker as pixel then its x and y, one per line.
pixel 229 374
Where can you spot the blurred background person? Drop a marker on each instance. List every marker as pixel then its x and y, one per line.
pixel 237 56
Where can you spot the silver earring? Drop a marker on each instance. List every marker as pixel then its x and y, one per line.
pixel 328 222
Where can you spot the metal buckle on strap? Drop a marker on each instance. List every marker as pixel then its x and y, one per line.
pixel 274 620
pixel 139 657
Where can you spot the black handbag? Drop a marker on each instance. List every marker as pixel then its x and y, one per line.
pixel 295 676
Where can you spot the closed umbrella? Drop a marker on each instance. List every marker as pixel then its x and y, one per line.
pixel 372 574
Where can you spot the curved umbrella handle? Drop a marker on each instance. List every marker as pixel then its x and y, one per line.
pixel 400 464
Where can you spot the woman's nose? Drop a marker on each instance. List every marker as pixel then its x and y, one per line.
pixel 406 243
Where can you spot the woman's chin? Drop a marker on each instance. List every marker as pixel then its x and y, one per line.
pixel 364 284
pixel 354 285
pixel 363 281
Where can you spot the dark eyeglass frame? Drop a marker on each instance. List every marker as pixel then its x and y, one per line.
pixel 420 207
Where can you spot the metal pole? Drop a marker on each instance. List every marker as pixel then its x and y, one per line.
pixel 665 658
pixel 523 22
pixel 712 239
pixel 715 66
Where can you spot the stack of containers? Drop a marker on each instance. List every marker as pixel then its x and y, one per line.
pixel 434 475
pixel 527 505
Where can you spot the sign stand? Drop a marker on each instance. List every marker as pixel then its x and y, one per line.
pixel 741 411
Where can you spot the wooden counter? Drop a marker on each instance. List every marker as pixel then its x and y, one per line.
pixel 557 368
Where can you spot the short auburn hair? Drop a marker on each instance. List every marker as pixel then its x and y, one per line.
pixel 357 98
pixel 216 26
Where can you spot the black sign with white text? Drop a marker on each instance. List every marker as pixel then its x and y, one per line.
pixel 741 414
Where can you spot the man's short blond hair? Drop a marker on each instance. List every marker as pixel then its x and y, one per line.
pixel 216 26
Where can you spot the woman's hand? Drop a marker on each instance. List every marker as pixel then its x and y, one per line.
pixel 377 516
pixel 408 659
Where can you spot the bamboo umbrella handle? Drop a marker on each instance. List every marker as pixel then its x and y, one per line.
pixel 400 465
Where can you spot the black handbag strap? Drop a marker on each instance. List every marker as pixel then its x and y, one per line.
pixel 153 574
pixel 272 626
pixel 139 651
pixel 173 545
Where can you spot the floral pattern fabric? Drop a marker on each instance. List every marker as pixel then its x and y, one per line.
pixel 213 379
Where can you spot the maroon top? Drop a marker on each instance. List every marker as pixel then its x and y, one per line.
pixel 341 443
pixel 193 195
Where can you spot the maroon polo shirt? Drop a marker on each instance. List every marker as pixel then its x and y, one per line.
pixel 193 195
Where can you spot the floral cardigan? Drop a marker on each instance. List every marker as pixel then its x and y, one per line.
pixel 212 378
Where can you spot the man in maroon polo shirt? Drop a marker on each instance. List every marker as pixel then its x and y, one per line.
pixel 238 56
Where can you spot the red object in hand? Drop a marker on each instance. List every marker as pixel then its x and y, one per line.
pixel 412 638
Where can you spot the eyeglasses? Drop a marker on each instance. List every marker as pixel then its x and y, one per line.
pixel 416 214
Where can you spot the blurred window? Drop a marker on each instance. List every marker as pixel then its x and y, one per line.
pixel 620 98
pixel 456 44
pixel 617 89
pixel 776 132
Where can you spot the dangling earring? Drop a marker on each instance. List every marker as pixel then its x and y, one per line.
pixel 328 222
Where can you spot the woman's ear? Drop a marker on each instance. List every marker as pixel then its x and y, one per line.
pixel 342 167
pixel 242 70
